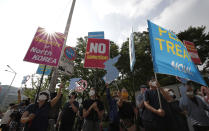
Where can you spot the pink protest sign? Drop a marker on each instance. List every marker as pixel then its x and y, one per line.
pixel 45 48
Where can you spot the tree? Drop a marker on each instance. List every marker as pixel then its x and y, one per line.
pixel 200 38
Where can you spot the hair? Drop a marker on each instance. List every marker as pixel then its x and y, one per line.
pixel 189 83
pixel 171 90
pixel 75 94
pixel 11 104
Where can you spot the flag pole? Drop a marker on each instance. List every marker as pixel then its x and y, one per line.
pixel 41 81
pixel 158 92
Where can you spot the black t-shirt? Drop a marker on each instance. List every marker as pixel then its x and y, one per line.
pixel 178 120
pixel 68 115
pixel 40 122
pixel 126 111
pixel 93 114
pixel 151 96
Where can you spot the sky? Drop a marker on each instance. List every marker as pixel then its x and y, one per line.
pixel 20 20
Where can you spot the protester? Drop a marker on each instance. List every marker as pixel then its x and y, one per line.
pixel 140 105
pixel 36 115
pixel 19 109
pixel 177 116
pixel 205 94
pixel 15 124
pixel 195 109
pixel 126 112
pixel 93 111
pixel 80 119
pixel 154 118
pixel 69 113
pixel 54 112
pixel 113 109
pixel 6 117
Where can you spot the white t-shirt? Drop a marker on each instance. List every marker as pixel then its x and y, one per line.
pixel 6 116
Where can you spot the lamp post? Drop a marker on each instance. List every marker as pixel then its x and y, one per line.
pixel 6 94
pixel 11 72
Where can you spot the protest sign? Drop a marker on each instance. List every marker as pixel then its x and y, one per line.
pixel 45 48
pixel 97 52
pixel 41 69
pixel 70 53
pixel 65 66
pixel 98 35
pixel 77 84
pixel 192 52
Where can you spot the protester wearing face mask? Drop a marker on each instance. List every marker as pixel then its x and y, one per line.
pixel 140 105
pixel 113 109
pixel 155 118
pixel 195 109
pixel 126 112
pixel 36 115
pixel 93 111
pixel 69 111
pixel 176 115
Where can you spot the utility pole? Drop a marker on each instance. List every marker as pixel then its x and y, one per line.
pixel 53 81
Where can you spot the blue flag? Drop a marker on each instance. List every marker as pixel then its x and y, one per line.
pixel 25 79
pixel 73 83
pixel 132 51
pixel 170 56
pixel 112 71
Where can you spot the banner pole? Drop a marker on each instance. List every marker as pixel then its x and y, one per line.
pixel 133 85
pixel 158 92
pixel 39 87
pixel 95 76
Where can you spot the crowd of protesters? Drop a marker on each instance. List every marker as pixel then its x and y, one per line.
pixel 155 109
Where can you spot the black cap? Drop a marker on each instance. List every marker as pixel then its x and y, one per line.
pixel 73 93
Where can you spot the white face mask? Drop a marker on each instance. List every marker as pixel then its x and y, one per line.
pixel 189 93
pixel 153 83
pixel 91 93
pixel 171 93
pixel 42 97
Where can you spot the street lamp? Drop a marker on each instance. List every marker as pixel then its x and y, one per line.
pixel 11 72
pixel 6 94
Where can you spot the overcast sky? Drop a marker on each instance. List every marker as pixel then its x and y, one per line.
pixel 19 20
